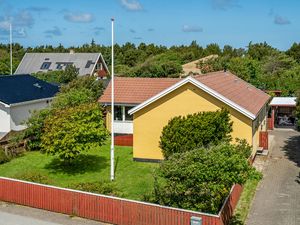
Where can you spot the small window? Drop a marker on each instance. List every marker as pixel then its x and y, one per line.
pixel 59 66
pixel 88 64
pixel 99 66
pixel 45 65
pixel 128 117
pixel 118 113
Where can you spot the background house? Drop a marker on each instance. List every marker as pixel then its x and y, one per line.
pixel 19 96
pixel 161 99
pixel 86 63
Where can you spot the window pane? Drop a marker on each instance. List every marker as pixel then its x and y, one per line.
pixel 118 113
pixel 127 116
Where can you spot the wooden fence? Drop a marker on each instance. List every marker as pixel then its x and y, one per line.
pixel 108 209
pixel 124 140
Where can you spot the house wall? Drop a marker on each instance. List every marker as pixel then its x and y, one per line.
pixel 4 118
pixel 149 121
pixel 20 113
pixel 258 125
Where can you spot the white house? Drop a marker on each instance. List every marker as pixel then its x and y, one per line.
pixel 19 96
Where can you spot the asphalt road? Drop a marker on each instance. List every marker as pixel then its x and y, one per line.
pixel 277 200
pixel 20 215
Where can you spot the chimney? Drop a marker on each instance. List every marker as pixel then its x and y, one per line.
pixel 72 51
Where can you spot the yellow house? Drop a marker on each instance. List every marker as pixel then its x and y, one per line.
pixel 149 103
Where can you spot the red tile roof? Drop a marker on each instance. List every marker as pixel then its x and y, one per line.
pixel 235 89
pixel 133 90
pixel 138 90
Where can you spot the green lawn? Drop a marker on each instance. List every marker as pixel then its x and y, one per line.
pixel 133 179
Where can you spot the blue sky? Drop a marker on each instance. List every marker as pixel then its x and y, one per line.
pixel 74 22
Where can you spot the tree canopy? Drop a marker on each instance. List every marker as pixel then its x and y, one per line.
pixel 259 63
pixel 70 131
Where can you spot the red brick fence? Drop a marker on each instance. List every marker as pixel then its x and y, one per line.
pixel 108 209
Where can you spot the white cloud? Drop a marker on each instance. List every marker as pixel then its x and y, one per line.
pixel 98 30
pixel 279 20
pixel 4 24
pixel 55 31
pixel 132 5
pixel 190 29
pixel 20 33
pixel 132 31
pixel 23 19
pixel 79 17
pixel 224 4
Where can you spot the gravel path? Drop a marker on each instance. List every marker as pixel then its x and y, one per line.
pixel 277 200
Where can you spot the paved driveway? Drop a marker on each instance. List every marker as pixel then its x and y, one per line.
pixel 20 215
pixel 277 200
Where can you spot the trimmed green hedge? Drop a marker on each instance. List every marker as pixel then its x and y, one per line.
pixel 193 131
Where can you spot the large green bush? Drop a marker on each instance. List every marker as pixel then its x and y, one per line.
pixel 202 178
pixel 194 131
pixel 87 82
pixel 35 128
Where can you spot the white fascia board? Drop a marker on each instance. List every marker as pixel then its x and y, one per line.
pixel 104 63
pixel 5 105
pixel 202 87
pixel 29 102
pixel 92 72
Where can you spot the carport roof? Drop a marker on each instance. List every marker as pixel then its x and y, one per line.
pixel 283 101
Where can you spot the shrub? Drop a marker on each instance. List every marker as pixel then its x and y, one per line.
pixel 87 82
pixel 34 176
pixel 3 157
pixel 35 128
pixel 73 97
pixel 194 131
pixel 104 188
pixel 69 74
pixel 200 179
pixel 243 148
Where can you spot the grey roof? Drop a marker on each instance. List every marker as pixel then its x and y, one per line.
pixel 32 62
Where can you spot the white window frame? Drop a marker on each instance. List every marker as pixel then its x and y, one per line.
pixel 123 107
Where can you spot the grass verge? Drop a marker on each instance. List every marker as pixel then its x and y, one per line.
pixel 242 210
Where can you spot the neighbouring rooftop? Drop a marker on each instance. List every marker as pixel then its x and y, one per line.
pixel 43 62
pixel 283 101
pixel 22 88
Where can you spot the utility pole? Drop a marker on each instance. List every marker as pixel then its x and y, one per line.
pixel 112 147
pixel 10 40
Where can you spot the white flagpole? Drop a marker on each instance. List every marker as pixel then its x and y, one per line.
pixel 112 148
pixel 10 39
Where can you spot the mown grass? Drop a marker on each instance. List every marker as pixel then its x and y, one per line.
pixel 133 179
